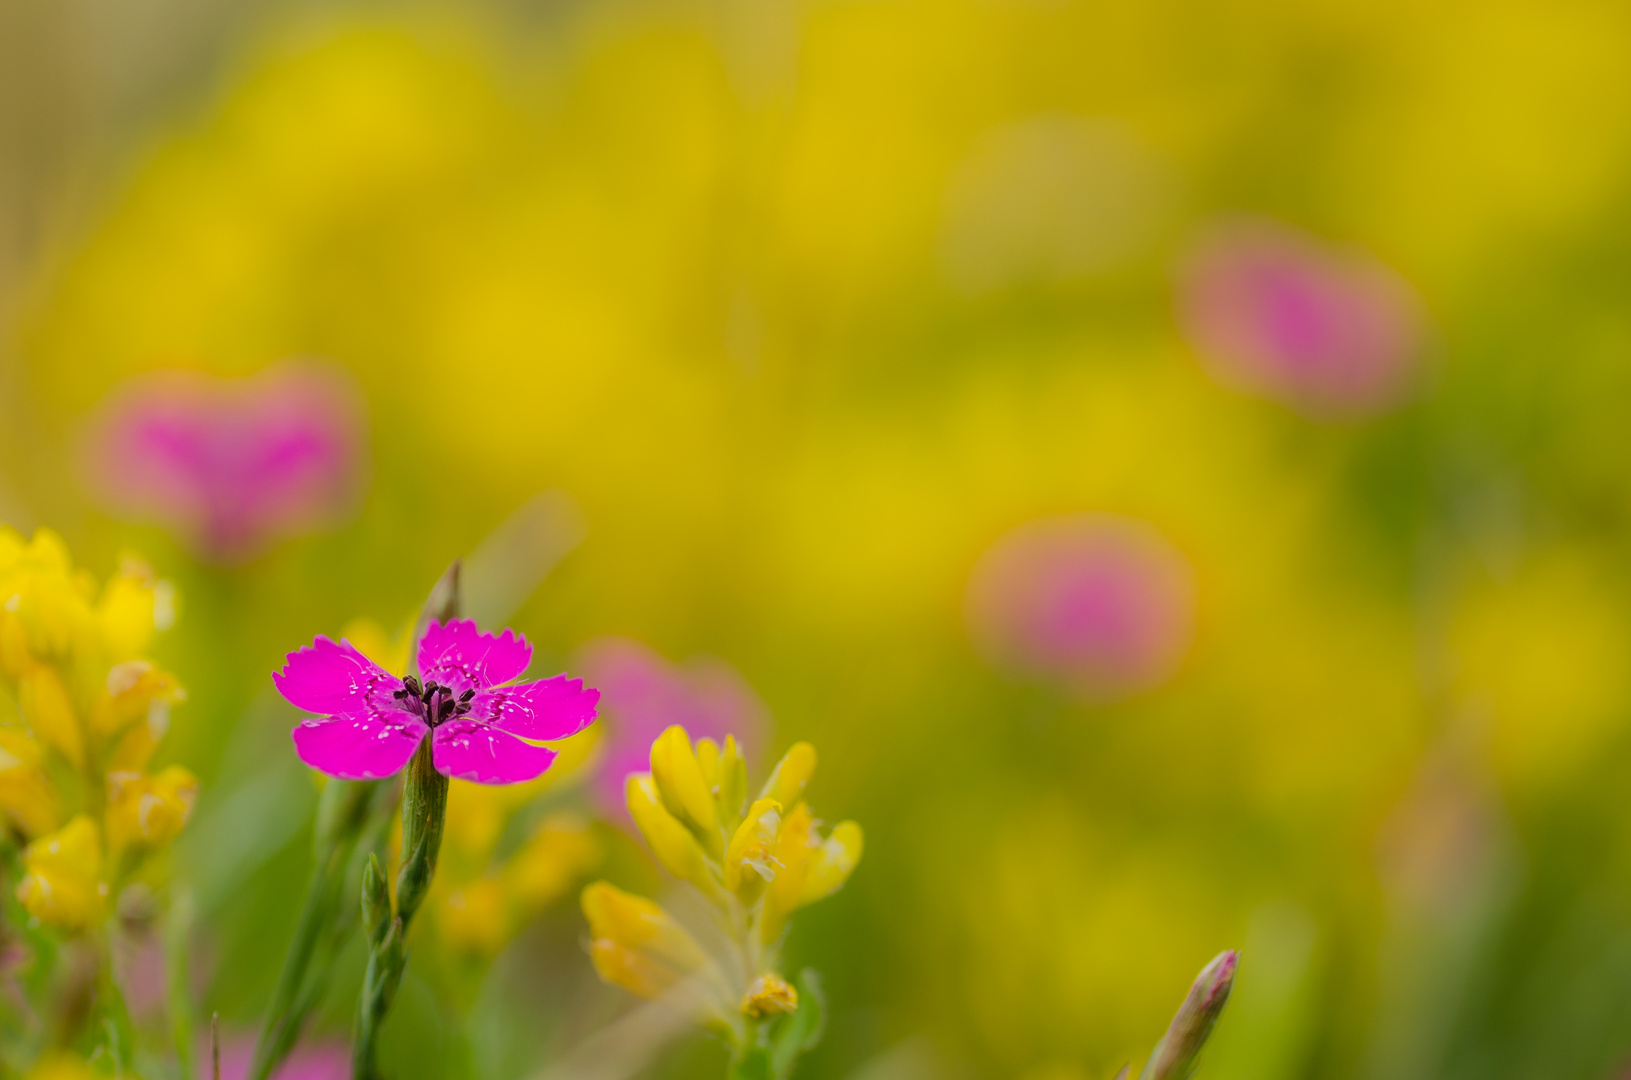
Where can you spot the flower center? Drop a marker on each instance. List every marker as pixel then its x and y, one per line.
pixel 434 702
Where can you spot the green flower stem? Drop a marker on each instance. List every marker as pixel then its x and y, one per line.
pixel 424 813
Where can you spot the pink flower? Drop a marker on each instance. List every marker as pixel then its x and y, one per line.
pixel 309 1061
pixel 644 694
pixel 370 722
pixel 1273 311
pixel 1101 604
pixel 230 463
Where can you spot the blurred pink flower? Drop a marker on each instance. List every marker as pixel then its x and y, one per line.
pixel 1274 311
pixel 319 1060
pixel 231 464
pixel 641 694
pixel 1103 605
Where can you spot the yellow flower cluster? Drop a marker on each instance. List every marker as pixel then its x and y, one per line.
pixel 81 712
pixel 756 863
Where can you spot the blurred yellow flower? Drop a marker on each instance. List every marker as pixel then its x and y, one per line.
pixel 148 810
pixel 62 883
pixel 26 794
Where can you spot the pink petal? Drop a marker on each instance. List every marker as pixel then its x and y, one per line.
pixel 466 750
pixel 548 709
pixel 460 656
pixel 334 679
pixel 359 747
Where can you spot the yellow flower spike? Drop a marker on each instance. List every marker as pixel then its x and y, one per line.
pixel 561 849
pixel 148 811
pixel 475 917
pixel 791 775
pixel 62 884
pixel 731 782
pixel 684 791
pixel 637 924
pixel 26 794
pixel 670 841
pixel 45 706
pixel 832 863
pixel 753 847
pixel 769 995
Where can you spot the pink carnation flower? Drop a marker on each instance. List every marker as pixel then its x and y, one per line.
pixel 1101 604
pixel 1273 311
pixel 229 463
pixel 370 722
pixel 643 694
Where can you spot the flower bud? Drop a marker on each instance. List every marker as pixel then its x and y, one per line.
pixel 731 780
pixel 673 844
pixel 831 863
pixel 679 779
pixel 50 715
pixel 787 782
pixel 769 995
pixel 376 901
pixel 752 848
pixel 636 944
pixel 1176 1055
pixel 148 811
pixel 62 884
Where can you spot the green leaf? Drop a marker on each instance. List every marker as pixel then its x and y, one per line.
pixel 750 1063
pixel 798 1033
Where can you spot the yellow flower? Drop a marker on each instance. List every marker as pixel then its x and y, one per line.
pixel 148 811
pixel 475 916
pixel 636 944
pixel 62 884
pixel 753 847
pixel 674 845
pixel 26 794
pixel 684 791
pixel 559 851
pixel 50 714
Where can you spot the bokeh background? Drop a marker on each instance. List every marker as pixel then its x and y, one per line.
pixel 1173 459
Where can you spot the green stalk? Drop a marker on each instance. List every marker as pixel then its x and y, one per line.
pixel 424 813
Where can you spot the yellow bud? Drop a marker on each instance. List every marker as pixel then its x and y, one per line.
pixel 62 884
pixel 731 782
pixel 769 995
pixel 26 794
pixel 753 847
pixel 45 706
pixel 635 923
pixel 126 613
pixel 475 917
pixel 148 811
pixel 831 864
pixel 679 779
pixel 560 850
pixel 708 761
pixel 787 782
pixel 670 841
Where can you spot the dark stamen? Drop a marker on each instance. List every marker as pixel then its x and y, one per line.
pixel 467 695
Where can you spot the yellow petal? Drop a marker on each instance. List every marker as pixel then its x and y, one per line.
pixel 686 794
pixel 731 782
pixel 634 971
pixel 791 775
pixel 62 885
pixel 45 706
pixel 670 841
pixel 831 863
pixel 752 849
pixel 127 609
